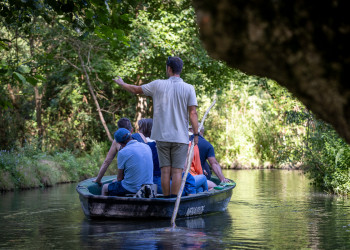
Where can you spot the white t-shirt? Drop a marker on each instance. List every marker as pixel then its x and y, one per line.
pixel 171 99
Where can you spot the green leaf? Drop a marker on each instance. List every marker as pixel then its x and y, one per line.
pixel 19 77
pixel 24 69
pixel 125 17
pixel 3 64
pixel 33 81
pixel 5 104
pixel 120 33
pixel 3 46
pixel 40 77
pixel 89 14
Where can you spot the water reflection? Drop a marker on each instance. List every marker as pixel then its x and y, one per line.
pixel 189 233
pixel 280 209
pixel 268 209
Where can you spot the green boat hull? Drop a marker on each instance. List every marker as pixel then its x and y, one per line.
pixel 98 206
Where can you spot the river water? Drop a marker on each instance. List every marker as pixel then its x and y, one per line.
pixel 269 209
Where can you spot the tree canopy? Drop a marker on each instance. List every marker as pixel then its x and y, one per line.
pixel 58 59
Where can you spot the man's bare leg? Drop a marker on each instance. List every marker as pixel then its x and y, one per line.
pixel 211 185
pixel 176 174
pixel 105 189
pixel 165 180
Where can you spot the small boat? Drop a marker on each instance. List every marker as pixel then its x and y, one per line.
pixel 98 206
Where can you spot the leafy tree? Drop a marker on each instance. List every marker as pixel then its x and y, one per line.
pixel 26 23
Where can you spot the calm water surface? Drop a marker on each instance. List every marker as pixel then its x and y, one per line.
pixel 268 209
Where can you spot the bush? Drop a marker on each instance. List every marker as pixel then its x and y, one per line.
pixel 29 167
pixel 327 158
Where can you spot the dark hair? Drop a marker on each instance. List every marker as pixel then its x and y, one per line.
pixel 145 126
pixel 175 63
pixel 124 123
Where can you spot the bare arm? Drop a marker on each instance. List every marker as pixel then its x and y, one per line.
pixel 109 158
pixel 120 174
pixel 194 122
pixel 217 169
pixel 134 89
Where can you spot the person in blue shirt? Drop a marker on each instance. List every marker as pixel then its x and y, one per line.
pixel 145 127
pixel 135 166
pixel 122 123
pixel 206 152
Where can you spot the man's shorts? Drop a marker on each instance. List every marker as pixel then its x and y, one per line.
pixel 116 189
pixel 172 154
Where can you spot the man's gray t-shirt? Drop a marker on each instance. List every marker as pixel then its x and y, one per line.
pixel 171 99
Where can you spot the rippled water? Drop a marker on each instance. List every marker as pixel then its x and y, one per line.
pixel 268 209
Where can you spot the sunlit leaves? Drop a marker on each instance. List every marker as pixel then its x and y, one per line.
pixel 19 77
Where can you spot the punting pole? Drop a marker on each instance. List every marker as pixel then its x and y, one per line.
pixel 189 161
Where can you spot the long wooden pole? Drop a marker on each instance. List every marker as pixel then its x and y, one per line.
pixel 189 161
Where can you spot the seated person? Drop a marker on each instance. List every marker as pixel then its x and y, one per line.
pixel 190 186
pixel 206 152
pixel 194 183
pixel 135 166
pixel 202 184
pixel 122 123
pixel 145 127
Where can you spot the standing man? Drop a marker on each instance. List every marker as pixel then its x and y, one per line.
pixel 173 102
pixel 206 152
pixel 135 166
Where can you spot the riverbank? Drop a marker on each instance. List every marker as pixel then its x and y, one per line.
pixel 27 167
pixel 267 165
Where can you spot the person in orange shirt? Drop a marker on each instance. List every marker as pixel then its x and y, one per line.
pixel 201 182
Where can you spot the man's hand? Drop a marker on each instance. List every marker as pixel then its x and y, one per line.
pixel 119 81
pixel 134 89
pixel 195 140
pixel 98 182
pixel 226 180
pixel 205 172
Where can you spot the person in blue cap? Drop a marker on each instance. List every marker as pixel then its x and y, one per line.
pixel 135 166
pixel 115 147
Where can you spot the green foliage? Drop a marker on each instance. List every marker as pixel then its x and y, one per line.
pixel 29 167
pixel 170 31
pixel 246 126
pixel 327 158
pixel 84 17
pixel 46 104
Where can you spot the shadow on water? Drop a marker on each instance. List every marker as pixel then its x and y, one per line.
pixel 189 233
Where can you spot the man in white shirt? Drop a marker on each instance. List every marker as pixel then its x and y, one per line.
pixel 173 102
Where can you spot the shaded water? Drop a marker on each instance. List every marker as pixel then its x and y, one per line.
pixel 268 209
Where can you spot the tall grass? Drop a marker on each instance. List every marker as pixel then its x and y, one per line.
pixel 28 167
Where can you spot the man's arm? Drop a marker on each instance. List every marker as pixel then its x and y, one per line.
pixel 120 174
pixel 109 158
pixel 134 89
pixel 217 169
pixel 194 122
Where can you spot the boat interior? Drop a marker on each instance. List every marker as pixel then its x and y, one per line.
pixel 95 189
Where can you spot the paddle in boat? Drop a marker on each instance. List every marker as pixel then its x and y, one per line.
pixel 96 205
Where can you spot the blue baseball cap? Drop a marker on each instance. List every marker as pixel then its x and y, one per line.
pixel 121 135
